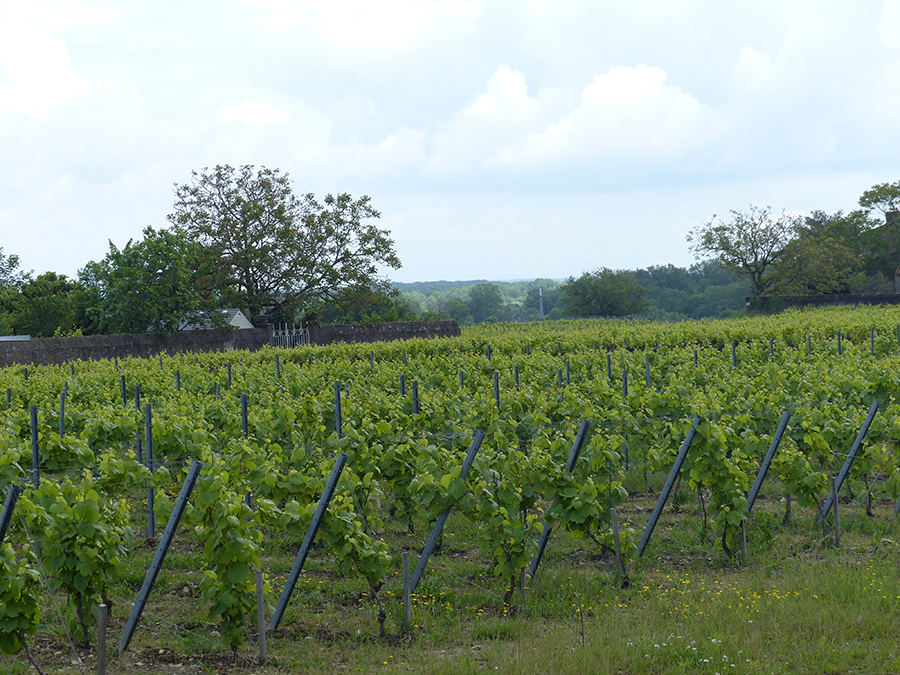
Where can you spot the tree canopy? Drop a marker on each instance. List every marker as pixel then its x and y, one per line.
pixel 603 292
pixel 276 254
pixel 750 243
pixel 147 285
pixel 485 303
pixel 9 276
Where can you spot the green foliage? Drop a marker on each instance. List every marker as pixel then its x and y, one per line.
pixel 485 303
pixel 231 551
pixel 884 197
pixel 9 276
pixel 148 285
pixel 364 305
pixel 720 467
pixel 603 292
pixel 750 243
pixel 39 307
pixel 408 464
pixel 21 613
pixel 701 291
pixel 83 538
pixel 276 254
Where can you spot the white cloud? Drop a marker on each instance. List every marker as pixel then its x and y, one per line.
pixel 627 115
pixel 503 114
pixel 386 24
pixel 254 114
pixel 400 150
pixel 39 76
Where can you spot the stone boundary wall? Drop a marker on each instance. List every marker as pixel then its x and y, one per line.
pixel 382 332
pixel 46 351
pixel 776 303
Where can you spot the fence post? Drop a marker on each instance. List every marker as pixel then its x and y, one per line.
pixel 35 451
pixel 497 389
pixel 9 505
pixel 667 488
pixel 338 421
pixel 620 568
pixel 160 555
pixel 570 466
pixel 148 432
pixel 439 525
pixel 260 617
pixel 101 640
pixel 62 413
pixel 763 470
pixel 837 521
pixel 300 560
pixel 407 600
pixel 845 469
pixel 245 422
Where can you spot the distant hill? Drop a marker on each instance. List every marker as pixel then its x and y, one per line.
pixel 703 290
pixel 439 285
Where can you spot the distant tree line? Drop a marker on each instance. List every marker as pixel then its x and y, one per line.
pixel 663 292
pixel 822 253
pixel 240 237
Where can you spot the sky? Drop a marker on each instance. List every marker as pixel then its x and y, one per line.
pixel 499 139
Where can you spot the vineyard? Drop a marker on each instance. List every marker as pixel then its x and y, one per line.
pixel 462 452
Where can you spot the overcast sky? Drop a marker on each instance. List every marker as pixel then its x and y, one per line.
pixel 499 139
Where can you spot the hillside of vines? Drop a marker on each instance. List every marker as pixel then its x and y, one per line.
pixel 90 442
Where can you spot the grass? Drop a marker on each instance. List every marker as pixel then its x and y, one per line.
pixel 798 604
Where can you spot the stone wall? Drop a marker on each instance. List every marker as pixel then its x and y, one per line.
pixel 44 351
pixel 776 303
pixel 382 332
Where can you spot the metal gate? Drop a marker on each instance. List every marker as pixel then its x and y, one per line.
pixel 290 336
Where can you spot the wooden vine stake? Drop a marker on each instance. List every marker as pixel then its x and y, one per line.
pixel 407 595
pixel 621 577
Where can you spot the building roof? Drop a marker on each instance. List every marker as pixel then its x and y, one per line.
pixel 201 320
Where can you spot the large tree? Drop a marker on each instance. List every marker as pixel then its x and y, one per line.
pixel 43 306
pixel 147 285
pixel 367 306
pixel 276 254
pixel 750 243
pixel 9 274
pixel 486 303
pixel 883 244
pixel 884 197
pixel 823 257
pixel 603 292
